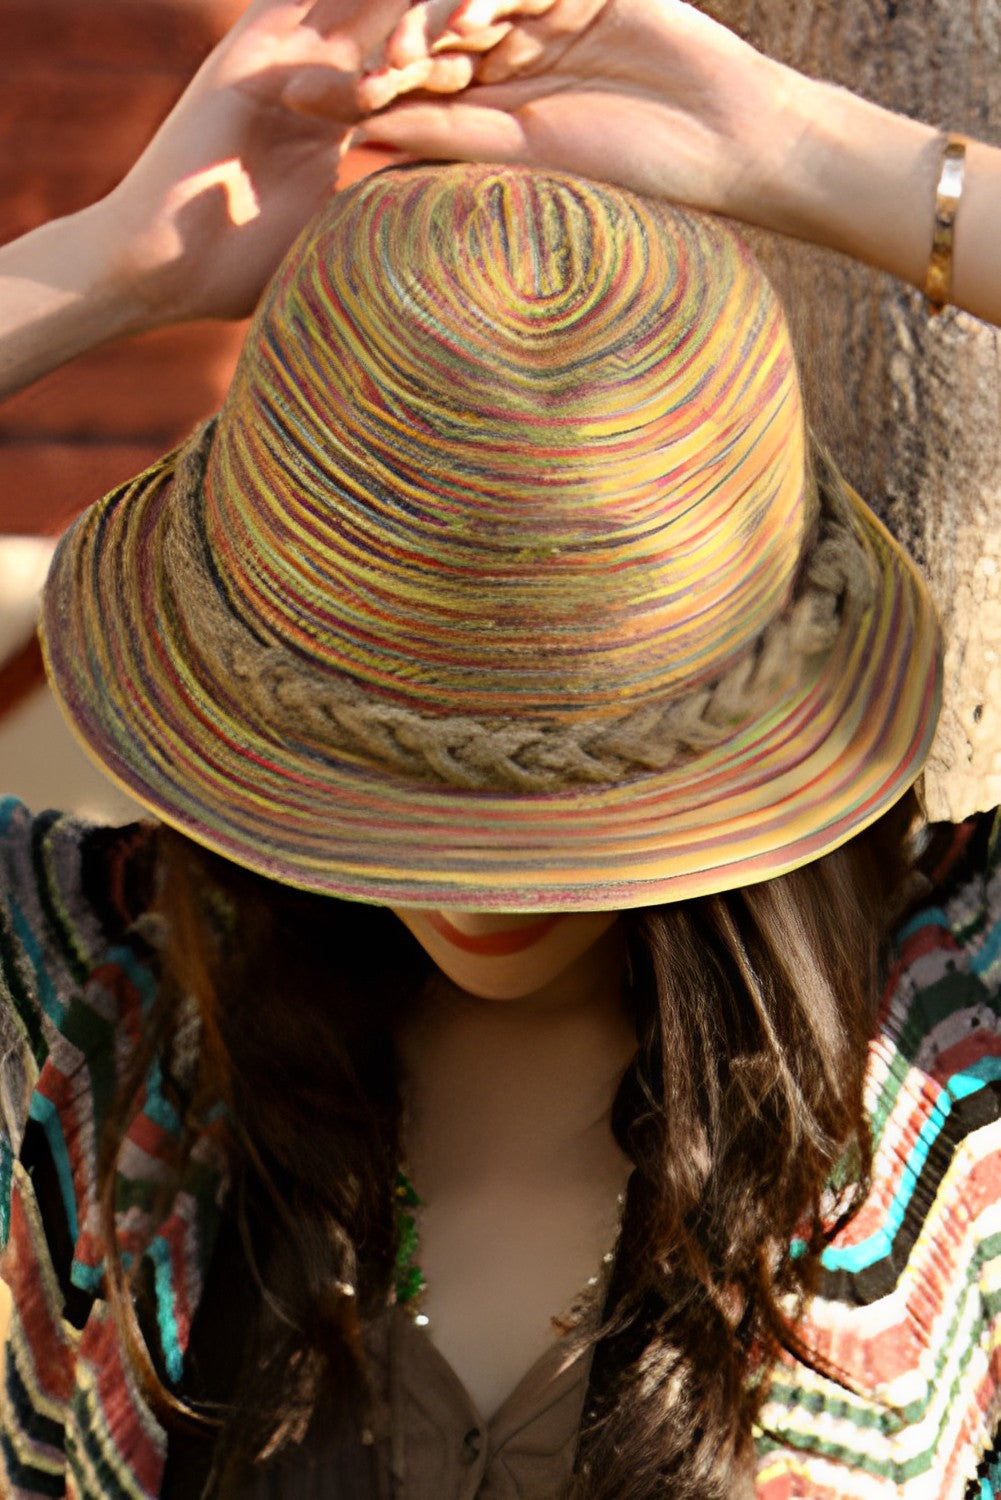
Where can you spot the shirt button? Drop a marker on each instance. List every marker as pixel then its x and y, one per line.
pixel 471 1445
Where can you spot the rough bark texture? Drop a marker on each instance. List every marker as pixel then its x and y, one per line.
pixel 908 405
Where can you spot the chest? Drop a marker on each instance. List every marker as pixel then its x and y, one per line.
pixel 508 1267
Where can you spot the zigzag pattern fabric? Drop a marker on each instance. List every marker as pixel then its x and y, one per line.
pixel 909 1313
pixel 909 1309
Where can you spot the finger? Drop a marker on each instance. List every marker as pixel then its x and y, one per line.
pixel 473 26
pixel 539 44
pixel 476 15
pixel 365 25
pixel 480 41
pixel 376 90
pixel 411 42
pixel 448 73
pixel 346 36
pixel 455 131
pixel 516 54
pixel 415 34
pixel 423 30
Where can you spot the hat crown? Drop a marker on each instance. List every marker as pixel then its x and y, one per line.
pixel 495 585
pixel 507 442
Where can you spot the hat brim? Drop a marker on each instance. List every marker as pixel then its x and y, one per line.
pixel 789 788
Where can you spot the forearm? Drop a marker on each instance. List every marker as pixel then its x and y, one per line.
pixel 60 296
pixel 861 180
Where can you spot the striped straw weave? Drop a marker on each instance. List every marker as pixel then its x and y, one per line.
pixel 531 414
pixel 507 503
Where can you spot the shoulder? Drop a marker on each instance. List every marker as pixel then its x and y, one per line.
pixel 76 970
pixel 69 887
pixel 942 1004
pixel 70 892
pixel 904 1392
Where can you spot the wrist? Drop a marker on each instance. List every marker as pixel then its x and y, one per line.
pixel 60 295
pixel 115 289
pixel 853 177
pixel 131 274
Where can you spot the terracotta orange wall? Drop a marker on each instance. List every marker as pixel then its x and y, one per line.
pixel 83 85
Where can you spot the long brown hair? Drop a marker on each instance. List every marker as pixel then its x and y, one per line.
pixel 753 1012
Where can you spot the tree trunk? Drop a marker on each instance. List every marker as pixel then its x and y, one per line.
pixel 908 404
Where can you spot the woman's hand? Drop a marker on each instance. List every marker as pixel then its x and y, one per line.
pixel 650 94
pixel 203 218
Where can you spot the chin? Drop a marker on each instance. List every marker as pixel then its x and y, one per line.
pixel 529 973
pixel 497 987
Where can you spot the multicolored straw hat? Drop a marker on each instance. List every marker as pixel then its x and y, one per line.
pixel 504 579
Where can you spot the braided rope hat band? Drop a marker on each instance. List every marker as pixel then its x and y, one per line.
pixel 501 580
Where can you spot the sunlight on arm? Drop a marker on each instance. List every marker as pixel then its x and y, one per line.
pixel 242 203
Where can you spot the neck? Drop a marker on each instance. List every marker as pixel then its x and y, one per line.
pixel 521 1087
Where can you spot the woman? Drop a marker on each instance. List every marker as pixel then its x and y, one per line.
pixel 402 627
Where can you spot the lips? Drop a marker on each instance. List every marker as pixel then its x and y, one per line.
pixel 494 944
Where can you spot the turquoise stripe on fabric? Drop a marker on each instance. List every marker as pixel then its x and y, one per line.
pixel 158 1108
pixel 136 972
pixel 877 1246
pixel 990 1483
pixel 163 1265
pixel 91 1278
pixel 155 1106
pixel 972 1079
pixel 929 916
pixel 44 1112
pixel 88 1278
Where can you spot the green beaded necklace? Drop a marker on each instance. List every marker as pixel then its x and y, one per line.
pixel 409 1283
